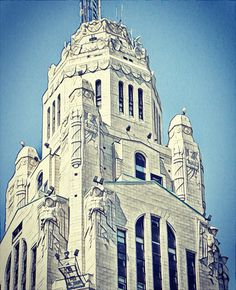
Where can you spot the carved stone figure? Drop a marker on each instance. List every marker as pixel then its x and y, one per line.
pixel 91 128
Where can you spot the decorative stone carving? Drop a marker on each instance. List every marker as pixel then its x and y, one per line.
pixel 178 170
pixel 192 163
pixel 91 127
pixel 64 132
pixel 99 206
pixel 210 255
pixel 76 138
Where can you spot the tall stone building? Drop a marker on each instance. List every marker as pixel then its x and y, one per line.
pixel 108 206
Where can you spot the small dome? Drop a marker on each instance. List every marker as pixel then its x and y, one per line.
pixel 179 120
pixel 26 151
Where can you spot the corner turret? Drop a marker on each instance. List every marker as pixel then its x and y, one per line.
pixel 187 168
pixel 16 196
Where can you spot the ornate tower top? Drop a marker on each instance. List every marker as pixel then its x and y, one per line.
pixel 90 10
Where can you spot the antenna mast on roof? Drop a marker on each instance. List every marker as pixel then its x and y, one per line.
pixel 90 10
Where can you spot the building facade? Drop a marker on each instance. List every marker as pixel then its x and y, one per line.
pixel 108 206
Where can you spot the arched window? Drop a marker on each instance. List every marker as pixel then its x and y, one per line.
pixel 40 181
pixel 24 265
pixel 8 274
pixel 173 275
pixel 58 110
pixel 140 166
pixel 48 123
pixel 98 93
pixel 140 104
pixel 131 102
pixel 156 253
pixel 140 256
pixel 121 97
pixel 53 116
pixel 16 266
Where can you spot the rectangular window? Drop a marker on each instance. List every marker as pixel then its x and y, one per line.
pixel 16 267
pixel 58 110
pixel 140 104
pixel 156 254
pixel 33 268
pixel 98 93
pixel 121 255
pixel 48 123
pixel 16 232
pixel 140 254
pixel 157 178
pixel 191 271
pixel 53 117
pixel 121 97
pixel 131 103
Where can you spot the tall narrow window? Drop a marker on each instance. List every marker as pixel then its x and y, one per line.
pixel 24 265
pixel 58 110
pixel 48 123
pixel 8 273
pixel 140 166
pixel 121 252
pixel 40 181
pixel 191 270
pixel 140 257
pixel 156 253
pixel 16 266
pixel 172 259
pixel 140 104
pixel 121 97
pixel 33 268
pixel 53 116
pixel 98 92
pixel 131 101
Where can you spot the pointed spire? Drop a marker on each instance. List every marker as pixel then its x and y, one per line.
pixel 90 10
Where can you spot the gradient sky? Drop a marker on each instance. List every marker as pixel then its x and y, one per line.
pixel 192 49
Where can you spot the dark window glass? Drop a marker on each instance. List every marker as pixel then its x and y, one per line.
pixel 48 123
pixel 191 270
pixel 33 268
pixel 156 253
pixel 121 97
pixel 157 178
pixel 58 110
pixel 140 256
pixel 40 181
pixel 24 265
pixel 140 104
pixel 8 273
pixel 16 231
pixel 98 92
pixel 131 102
pixel 140 166
pixel 173 277
pixel 121 254
pixel 53 116
pixel 16 266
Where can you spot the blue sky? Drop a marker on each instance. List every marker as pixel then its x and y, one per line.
pixel 192 49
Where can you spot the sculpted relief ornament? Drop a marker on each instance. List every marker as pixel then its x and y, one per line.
pixel 75 119
pixel 100 214
pixel 51 215
pixel 91 127
pixel 210 255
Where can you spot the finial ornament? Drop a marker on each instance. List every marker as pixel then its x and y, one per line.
pixel 184 111
pixel 90 10
pixel 22 143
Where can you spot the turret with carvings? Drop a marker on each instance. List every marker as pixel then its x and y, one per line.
pixel 187 168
